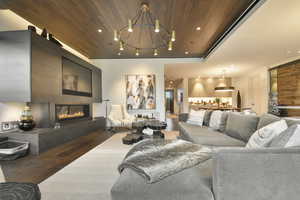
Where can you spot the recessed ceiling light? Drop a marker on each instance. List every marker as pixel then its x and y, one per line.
pixel 100 30
pixel 198 28
pixel 186 52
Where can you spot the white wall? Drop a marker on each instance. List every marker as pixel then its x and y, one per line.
pixel 254 90
pixel 11 111
pixel 114 71
pixel 113 79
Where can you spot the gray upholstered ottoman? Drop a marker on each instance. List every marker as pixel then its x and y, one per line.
pixel 19 191
pixel 191 184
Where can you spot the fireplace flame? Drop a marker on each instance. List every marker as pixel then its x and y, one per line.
pixel 73 115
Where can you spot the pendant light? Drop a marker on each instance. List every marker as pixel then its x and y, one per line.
pixel 225 88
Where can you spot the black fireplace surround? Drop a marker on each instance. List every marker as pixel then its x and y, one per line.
pixel 65 112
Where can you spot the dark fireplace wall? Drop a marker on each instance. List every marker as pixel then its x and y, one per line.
pixel 47 75
pixel 37 72
pixel 37 75
pixel 45 114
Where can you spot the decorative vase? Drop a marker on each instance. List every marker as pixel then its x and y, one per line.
pixel 32 28
pixel 239 100
pixel 26 123
pixel 44 33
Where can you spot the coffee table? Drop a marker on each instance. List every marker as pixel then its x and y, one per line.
pixel 155 125
pixel 132 138
pixel 139 127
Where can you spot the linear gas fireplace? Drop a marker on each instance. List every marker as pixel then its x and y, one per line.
pixel 65 112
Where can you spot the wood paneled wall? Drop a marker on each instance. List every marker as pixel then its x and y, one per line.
pixel 288 84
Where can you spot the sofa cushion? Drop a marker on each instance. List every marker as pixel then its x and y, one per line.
pixel 264 136
pixel 207 117
pixel 288 138
pixel 215 119
pixel 188 131
pixel 223 122
pixel 191 184
pixel 196 117
pixel 207 136
pixel 241 126
pixel 183 117
pixel 221 140
pixel 267 119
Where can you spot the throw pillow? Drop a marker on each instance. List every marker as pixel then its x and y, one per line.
pixel 223 121
pixel 196 117
pixel 291 121
pixel 241 126
pixel 288 138
pixel 215 120
pixel 264 136
pixel 267 119
pixel 207 117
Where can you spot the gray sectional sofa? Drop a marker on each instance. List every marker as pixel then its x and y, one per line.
pixel 234 172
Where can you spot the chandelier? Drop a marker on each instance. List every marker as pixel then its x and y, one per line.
pixel 144 33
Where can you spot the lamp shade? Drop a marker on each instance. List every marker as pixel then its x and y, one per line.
pixel 224 89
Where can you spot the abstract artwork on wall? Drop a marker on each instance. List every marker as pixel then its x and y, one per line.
pixel 140 92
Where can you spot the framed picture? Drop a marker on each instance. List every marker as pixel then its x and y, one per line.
pixel 140 92
pixel 76 79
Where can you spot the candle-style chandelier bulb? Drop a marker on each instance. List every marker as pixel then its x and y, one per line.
pixel 116 37
pixel 156 26
pixel 170 46
pixel 137 52
pixel 130 26
pixel 173 37
pixel 121 46
pixel 155 52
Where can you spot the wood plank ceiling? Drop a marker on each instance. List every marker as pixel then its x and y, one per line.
pixel 75 22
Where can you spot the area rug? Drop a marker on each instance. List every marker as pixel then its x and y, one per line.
pixel 91 176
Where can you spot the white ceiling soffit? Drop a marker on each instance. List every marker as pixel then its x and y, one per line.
pixel 270 36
